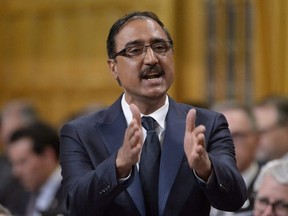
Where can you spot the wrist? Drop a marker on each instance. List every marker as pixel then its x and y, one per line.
pixel 122 170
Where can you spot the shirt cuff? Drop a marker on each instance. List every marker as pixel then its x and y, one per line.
pixel 122 180
pixel 201 181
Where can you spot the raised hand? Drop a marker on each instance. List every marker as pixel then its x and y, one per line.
pixel 129 153
pixel 194 147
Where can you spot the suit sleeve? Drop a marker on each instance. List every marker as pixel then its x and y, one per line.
pixel 226 190
pixel 89 188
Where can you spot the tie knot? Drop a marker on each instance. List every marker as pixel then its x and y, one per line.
pixel 149 123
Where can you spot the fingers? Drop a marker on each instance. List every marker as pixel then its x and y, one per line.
pixel 201 138
pixel 199 134
pixel 134 133
pixel 135 113
pixel 190 120
pixel 129 153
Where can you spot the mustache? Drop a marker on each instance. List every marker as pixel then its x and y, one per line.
pixel 155 68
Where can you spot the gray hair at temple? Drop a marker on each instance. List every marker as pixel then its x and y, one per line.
pixel 278 169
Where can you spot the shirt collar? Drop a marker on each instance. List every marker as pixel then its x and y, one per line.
pixel 159 115
pixel 250 173
pixel 49 189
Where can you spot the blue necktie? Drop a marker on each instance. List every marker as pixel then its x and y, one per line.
pixel 149 166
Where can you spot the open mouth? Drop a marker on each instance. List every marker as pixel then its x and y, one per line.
pixel 152 76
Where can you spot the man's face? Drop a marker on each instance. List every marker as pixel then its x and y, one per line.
pixel 269 193
pixel 140 85
pixel 244 138
pixel 273 142
pixel 27 166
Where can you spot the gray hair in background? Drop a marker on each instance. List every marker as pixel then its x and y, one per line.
pixel 278 169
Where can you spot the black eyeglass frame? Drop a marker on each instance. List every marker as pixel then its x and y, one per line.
pixel 123 52
pixel 274 205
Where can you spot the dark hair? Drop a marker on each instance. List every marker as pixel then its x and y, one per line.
pixel 281 105
pixel 229 105
pixel 42 136
pixel 120 23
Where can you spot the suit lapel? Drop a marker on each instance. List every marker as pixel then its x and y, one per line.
pixel 113 131
pixel 135 191
pixel 172 152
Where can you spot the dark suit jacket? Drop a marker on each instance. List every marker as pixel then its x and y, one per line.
pixel 12 195
pixel 88 150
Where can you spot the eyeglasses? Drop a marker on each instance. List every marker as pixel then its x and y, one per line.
pixel 139 50
pixel 269 129
pixel 241 136
pixel 280 208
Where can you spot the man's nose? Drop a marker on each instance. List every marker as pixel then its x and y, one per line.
pixel 268 211
pixel 150 56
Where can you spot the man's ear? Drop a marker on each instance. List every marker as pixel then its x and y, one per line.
pixel 49 153
pixel 113 68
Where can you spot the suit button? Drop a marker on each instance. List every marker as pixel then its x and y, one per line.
pixel 102 191
pixel 223 187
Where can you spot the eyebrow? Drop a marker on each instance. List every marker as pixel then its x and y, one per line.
pixel 138 42
pixel 279 201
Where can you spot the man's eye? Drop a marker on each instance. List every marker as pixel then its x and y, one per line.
pixel 264 201
pixel 137 50
pixel 159 48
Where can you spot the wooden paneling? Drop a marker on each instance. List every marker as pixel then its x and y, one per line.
pixel 271 53
pixel 53 52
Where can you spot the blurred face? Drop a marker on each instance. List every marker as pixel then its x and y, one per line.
pixel 27 166
pixel 272 198
pixel 9 123
pixel 147 78
pixel 244 138
pixel 273 141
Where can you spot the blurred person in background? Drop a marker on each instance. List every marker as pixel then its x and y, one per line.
pixel 4 211
pixel 271 189
pixel 34 155
pixel 14 115
pixel 243 129
pixel 272 119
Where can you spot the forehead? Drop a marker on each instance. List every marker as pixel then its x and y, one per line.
pixel 237 119
pixel 20 147
pixel 266 115
pixel 273 189
pixel 142 29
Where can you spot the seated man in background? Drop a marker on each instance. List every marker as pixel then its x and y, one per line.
pixel 14 115
pixel 271 189
pixel 33 152
pixel 272 118
pixel 243 129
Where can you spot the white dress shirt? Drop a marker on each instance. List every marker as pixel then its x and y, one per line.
pixel 159 115
pixel 47 192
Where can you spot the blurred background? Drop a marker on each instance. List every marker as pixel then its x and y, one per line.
pixel 53 52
